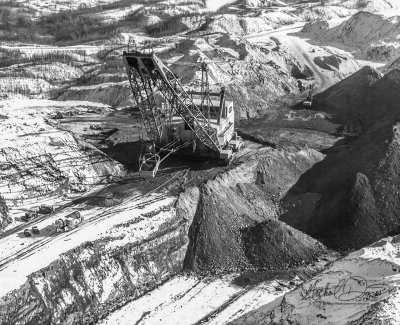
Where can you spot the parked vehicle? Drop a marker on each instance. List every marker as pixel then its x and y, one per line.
pixel 70 221
pixel 34 212
pixel 29 215
pixel 45 209
pixel 35 231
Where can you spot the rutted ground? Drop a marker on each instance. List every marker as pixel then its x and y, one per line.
pixel 361 288
pixel 118 254
pixel 38 160
pixel 142 240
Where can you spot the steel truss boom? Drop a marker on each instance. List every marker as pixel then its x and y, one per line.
pixel 147 75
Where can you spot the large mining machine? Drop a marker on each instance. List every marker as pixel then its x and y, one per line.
pixel 175 119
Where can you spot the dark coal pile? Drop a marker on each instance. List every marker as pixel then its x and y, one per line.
pixel 273 244
pixel 350 198
pixel 236 224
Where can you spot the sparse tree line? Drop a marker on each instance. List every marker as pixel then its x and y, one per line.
pixel 27 87
pixel 81 25
pixel 171 25
pixel 12 57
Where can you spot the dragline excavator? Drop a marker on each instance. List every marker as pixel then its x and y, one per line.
pixel 175 119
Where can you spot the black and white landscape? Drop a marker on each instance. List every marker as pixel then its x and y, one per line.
pixel 300 226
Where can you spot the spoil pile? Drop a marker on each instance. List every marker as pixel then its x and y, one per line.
pixel 373 34
pixel 350 199
pixel 257 77
pixel 235 226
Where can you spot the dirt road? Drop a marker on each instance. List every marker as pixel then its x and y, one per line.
pixel 299 46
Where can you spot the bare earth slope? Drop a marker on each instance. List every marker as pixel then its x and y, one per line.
pixel 39 161
pixel 354 202
pixel 235 226
pixel 373 35
pixel 361 288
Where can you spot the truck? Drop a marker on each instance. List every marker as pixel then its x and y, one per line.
pixel 70 221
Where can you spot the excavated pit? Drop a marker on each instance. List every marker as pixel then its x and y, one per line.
pixel 217 219
pixel 224 220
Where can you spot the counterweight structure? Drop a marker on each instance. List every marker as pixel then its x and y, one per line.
pixel 173 118
pixel 308 102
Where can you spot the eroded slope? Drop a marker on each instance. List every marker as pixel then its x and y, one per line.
pixel 349 199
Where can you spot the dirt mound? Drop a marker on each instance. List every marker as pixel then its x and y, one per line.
pixel 394 64
pixel 116 94
pixel 346 99
pixel 235 225
pixel 242 24
pixel 328 62
pixel 325 12
pixel 315 27
pixel 274 245
pixel 374 35
pixel 257 77
pixel 371 5
pixel 349 199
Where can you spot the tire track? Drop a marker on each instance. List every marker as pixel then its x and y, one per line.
pixel 38 244
pixel 206 319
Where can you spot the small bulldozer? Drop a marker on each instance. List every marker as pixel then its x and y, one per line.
pixel 34 212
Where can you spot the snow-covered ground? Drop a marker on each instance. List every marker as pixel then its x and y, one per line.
pixel 214 5
pixel 370 36
pixel 189 300
pixel 365 282
pixel 119 13
pixel 291 37
pixel 344 292
pixel 286 36
pixel 20 255
pixel 27 136
pixel 37 158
